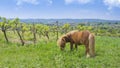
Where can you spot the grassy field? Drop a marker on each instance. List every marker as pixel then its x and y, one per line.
pixel 48 55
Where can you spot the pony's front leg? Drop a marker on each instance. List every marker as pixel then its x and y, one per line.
pixel 71 46
pixel 76 46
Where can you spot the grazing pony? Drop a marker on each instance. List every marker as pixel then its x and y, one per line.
pixel 79 38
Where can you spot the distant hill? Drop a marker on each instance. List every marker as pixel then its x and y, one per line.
pixel 51 21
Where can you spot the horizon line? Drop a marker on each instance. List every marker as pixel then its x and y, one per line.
pixel 65 18
pixel 62 18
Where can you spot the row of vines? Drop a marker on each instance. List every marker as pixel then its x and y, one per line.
pixel 37 30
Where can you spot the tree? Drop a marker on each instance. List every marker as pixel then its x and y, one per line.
pixel 46 31
pixel 18 28
pixel 4 26
pixel 39 29
pixel 79 27
pixel 24 28
pixel 66 27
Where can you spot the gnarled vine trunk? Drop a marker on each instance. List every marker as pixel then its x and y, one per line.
pixel 20 37
pixel 5 35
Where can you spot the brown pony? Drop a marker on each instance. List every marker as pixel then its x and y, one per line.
pixel 78 38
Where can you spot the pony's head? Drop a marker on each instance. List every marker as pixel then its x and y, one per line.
pixel 61 42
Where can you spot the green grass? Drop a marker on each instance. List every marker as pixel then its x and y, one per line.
pixel 48 55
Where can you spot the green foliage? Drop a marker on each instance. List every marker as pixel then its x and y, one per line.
pixel 4 24
pixel 66 27
pixel 79 27
pixel 46 28
pixel 1 23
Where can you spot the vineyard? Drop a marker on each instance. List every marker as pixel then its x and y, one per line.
pixel 24 45
pixel 35 31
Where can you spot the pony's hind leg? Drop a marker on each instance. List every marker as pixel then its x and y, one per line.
pixel 87 51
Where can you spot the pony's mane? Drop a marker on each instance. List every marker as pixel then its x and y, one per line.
pixel 61 40
pixel 65 38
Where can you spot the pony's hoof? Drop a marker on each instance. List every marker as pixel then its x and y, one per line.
pixel 88 56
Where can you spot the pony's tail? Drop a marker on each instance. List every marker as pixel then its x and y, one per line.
pixel 91 45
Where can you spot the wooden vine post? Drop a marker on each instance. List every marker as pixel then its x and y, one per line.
pixel 57 29
pixel 34 34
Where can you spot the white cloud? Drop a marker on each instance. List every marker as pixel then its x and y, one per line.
pixel 78 1
pixel 69 1
pixel 34 2
pixel 20 2
pixel 112 3
pixel 49 2
pixel 84 1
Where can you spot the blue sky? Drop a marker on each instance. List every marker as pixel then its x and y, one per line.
pixel 59 9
